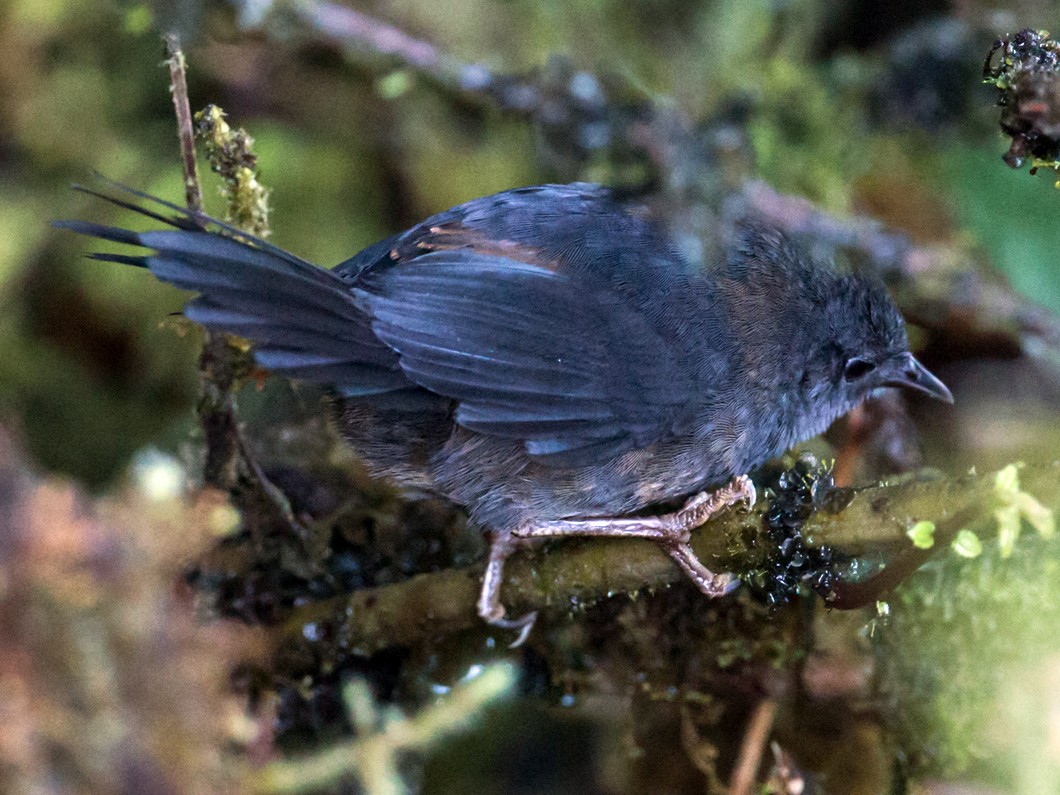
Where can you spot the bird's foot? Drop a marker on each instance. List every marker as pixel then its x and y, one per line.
pixel 695 512
pixel 523 625
pixel 672 532
pixel 708 504
pixel 710 583
pixel 489 603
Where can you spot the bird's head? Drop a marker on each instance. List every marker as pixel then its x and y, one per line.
pixel 867 344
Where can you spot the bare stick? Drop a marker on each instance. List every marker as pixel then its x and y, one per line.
pixel 178 87
pixel 219 367
pixel 349 26
pixel 753 746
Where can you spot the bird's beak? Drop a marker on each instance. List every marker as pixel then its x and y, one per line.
pixel 906 371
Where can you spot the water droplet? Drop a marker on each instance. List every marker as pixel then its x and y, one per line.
pixel 472 672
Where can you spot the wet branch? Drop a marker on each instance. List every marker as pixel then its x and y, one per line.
pixel 565 574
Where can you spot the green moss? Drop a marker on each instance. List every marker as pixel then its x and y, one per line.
pixel 806 138
pixel 964 662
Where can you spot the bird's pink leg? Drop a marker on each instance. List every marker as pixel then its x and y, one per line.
pixel 671 531
pixel 489 602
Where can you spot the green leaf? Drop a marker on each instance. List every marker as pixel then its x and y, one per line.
pixel 922 534
pixel 1007 480
pixel 1008 528
pixel 967 544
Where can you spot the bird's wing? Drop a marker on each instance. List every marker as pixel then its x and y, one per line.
pixel 567 227
pixel 530 353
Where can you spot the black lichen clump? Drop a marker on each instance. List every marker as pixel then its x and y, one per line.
pixel 1023 67
pixel 790 563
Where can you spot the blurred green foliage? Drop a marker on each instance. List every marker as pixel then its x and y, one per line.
pixel 352 156
pixel 1011 214
pixel 985 633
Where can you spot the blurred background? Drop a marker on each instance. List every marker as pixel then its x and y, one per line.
pixel 871 112
pixel 877 112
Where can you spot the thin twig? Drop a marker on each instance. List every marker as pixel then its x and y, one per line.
pixel 216 377
pixel 753 746
pixel 219 366
pixel 374 755
pixel 178 87
pixel 357 32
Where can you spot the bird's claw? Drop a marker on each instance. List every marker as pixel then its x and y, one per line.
pixel 523 624
pixel 743 490
pixel 724 584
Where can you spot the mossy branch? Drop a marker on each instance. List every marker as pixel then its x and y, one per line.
pixel 567 574
pixel 231 156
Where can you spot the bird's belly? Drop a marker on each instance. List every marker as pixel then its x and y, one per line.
pixel 503 487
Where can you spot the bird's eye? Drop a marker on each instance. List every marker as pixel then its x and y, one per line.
pixel 858 367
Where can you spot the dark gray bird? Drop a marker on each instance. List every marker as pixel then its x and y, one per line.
pixel 547 358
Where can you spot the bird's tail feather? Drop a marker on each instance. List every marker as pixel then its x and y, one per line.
pixel 305 321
